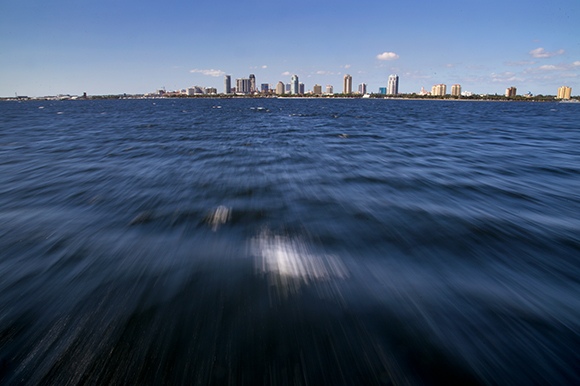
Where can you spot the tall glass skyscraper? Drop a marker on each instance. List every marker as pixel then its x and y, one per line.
pixel 347 84
pixel 227 84
pixel 294 85
pixel 393 85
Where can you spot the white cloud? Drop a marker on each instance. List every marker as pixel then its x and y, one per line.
pixel 507 76
pixel 347 66
pixel 542 53
pixel 416 75
pixel 264 66
pixel 449 65
pixel 475 67
pixel 286 73
pixel 387 56
pixel 211 72
pixel 520 63
pixel 553 67
pixel 362 72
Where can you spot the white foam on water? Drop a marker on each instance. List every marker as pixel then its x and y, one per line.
pixel 219 217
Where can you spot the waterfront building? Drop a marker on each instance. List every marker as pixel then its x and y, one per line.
pixel 347 84
pixel 243 86
pixel 252 83
pixel 211 90
pixel 329 89
pixel 288 87
pixel 294 85
pixel 383 90
pixel 393 85
pixel 564 92
pixel 317 89
pixel 362 88
pixel 466 93
pixel 456 90
pixel 423 91
pixel 265 88
pixel 280 89
pixel 227 84
pixel 300 88
pixel 510 92
pixel 439 90
pixel 195 90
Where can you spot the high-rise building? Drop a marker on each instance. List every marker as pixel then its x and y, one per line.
pixel 294 85
pixel 288 88
pixel 265 88
pixel 564 92
pixel 280 88
pixel 510 92
pixel 227 84
pixel 347 84
pixel 393 85
pixel 317 89
pixel 252 83
pixel 456 90
pixel 243 86
pixel 362 88
pixel 300 88
pixel 329 89
pixel 439 90
pixel 382 90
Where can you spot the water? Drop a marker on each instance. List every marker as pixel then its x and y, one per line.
pixel 289 242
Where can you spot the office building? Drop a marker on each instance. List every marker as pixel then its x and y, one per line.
pixel 317 89
pixel 243 86
pixel 510 92
pixel 347 84
pixel 393 84
pixel 383 90
pixel 227 84
pixel 362 88
pixel 265 88
pixel 456 90
pixel 439 90
pixel 329 89
pixel 300 88
pixel 252 83
pixel 280 89
pixel 294 89
pixel 564 92
pixel 288 88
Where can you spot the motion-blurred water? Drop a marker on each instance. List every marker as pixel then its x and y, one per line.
pixel 289 242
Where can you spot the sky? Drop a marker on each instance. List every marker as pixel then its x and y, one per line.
pixel 134 47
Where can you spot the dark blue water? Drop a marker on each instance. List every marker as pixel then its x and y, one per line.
pixel 289 242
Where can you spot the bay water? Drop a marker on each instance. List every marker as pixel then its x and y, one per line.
pixel 289 242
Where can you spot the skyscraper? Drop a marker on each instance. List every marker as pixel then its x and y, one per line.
pixel 439 90
pixel 347 84
pixel 317 89
pixel 227 84
pixel 393 84
pixel 294 85
pixel 564 92
pixel 265 88
pixel 382 90
pixel 456 90
pixel 252 83
pixel 243 86
pixel 362 88
pixel 511 92
pixel 300 88
pixel 329 89
pixel 280 88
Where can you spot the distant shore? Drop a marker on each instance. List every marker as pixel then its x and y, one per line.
pixel 478 98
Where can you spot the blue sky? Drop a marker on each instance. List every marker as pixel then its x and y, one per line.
pixel 111 47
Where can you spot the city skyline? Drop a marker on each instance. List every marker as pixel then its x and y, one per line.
pixel 110 48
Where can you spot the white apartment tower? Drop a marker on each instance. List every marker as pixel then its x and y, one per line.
pixel 393 85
